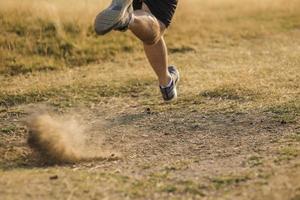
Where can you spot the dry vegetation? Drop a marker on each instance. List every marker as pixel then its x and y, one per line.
pixel 233 133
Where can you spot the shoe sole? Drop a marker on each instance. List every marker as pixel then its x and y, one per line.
pixel 109 18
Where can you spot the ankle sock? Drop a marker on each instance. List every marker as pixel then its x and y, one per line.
pixel 169 84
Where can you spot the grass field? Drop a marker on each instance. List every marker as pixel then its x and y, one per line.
pixel 234 132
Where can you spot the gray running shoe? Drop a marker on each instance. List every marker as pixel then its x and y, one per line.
pixel 116 17
pixel 170 93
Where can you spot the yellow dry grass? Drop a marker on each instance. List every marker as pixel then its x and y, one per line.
pixel 237 59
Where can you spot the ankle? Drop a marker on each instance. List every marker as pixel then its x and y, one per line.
pixel 165 82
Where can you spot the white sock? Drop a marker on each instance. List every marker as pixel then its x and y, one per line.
pixel 169 84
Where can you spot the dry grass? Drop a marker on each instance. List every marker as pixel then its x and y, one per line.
pixel 52 35
pixel 45 36
pixel 239 100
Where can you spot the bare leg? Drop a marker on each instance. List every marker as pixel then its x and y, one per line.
pixel 158 58
pixel 150 31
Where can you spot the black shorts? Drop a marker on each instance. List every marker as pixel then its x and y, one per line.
pixel 163 10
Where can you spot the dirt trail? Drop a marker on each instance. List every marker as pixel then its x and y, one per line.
pixel 206 156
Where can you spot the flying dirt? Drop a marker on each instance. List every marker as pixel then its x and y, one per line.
pixel 59 139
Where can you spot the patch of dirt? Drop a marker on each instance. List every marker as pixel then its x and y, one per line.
pixel 183 150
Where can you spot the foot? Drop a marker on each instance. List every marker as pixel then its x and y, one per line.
pixel 170 93
pixel 116 17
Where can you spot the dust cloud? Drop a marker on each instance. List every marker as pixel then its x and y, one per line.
pixel 61 139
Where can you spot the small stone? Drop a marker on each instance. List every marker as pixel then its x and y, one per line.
pixel 148 110
pixel 55 177
pixel 283 122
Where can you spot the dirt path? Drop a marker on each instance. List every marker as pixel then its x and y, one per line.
pixel 212 155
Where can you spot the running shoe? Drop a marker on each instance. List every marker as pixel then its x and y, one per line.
pixel 116 17
pixel 170 93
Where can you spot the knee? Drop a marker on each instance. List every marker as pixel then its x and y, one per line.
pixel 156 35
pixel 149 34
pixel 152 39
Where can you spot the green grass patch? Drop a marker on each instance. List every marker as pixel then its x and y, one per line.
pixel 9 129
pixel 230 93
pixel 287 153
pixel 191 187
pixel 224 181
pixel 178 165
pixel 295 137
pixel 169 188
pixel 285 113
pixel 254 161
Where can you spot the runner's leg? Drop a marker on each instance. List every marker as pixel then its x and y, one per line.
pixel 150 31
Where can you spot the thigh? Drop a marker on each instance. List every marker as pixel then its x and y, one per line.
pixel 163 10
pixel 140 5
pixel 161 24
